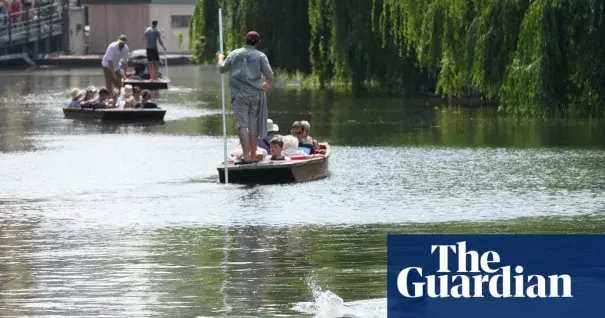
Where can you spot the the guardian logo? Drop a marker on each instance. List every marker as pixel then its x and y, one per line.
pixel 478 275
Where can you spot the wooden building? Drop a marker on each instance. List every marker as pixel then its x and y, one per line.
pixel 108 19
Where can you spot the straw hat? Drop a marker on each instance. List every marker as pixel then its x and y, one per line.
pixel 271 127
pixel 75 92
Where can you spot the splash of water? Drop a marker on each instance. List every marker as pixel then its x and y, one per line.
pixel 327 304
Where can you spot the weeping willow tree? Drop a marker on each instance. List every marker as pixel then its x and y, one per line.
pixel 282 24
pixel 345 48
pixel 469 43
pixel 541 57
pixel 536 57
pixel 203 31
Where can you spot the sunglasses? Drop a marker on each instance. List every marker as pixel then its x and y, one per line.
pixel 297 132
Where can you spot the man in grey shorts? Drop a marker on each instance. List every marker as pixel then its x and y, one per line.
pixel 246 65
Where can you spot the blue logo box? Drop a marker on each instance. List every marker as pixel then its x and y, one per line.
pixel 496 276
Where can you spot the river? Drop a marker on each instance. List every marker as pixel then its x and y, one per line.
pixel 130 220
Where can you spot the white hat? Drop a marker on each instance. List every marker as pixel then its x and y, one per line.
pixel 128 89
pixel 75 92
pixel 91 89
pixel 271 127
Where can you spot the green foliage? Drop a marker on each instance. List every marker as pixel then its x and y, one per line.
pixel 203 31
pixel 538 58
pixel 180 38
pixel 282 24
pixel 345 49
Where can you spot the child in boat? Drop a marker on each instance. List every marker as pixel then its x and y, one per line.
pixel 76 96
pixel 146 100
pixel 277 150
pixel 126 100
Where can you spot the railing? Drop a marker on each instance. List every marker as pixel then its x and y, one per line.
pixel 42 21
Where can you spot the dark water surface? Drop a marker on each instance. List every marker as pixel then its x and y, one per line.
pixel 129 220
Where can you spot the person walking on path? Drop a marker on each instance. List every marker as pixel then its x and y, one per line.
pixel 152 37
pixel 116 52
pixel 247 90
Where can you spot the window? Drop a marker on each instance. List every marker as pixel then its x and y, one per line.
pixel 180 21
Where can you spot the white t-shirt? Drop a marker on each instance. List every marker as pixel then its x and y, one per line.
pixel 114 54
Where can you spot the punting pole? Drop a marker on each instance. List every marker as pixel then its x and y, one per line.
pixel 166 63
pixel 225 164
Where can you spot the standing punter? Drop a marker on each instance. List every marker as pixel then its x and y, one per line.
pixel 116 52
pixel 247 89
pixel 152 36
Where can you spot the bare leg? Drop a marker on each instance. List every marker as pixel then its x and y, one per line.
pixel 253 145
pixel 152 71
pixel 244 139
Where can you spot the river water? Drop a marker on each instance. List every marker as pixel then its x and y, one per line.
pixel 130 220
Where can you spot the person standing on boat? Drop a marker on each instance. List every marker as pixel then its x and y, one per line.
pixel 247 89
pixel 116 52
pixel 152 37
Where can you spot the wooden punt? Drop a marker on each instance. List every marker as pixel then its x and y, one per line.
pixel 115 114
pixel 275 172
pixel 147 84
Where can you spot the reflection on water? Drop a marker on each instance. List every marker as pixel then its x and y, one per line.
pixel 129 220
pixel 193 271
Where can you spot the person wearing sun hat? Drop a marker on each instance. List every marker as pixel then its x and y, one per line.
pixel 247 65
pixel 116 54
pixel 272 132
pixel 76 96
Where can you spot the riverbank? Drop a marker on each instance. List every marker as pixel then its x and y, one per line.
pixel 17 61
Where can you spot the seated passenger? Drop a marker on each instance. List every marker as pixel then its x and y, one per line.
pixel 277 150
pixel 103 100
pixel 291 146
pixel 136 94
pixel 304 145
pixel 272 130
pixel 306 128
pixel 76 96
pixel 89 96
pixel 306 131
pixel 146 100
pixel 238 154
pixel 139 69
pixel 126 100
pixel 306 135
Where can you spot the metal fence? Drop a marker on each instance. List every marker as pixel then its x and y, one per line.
pixel 41 21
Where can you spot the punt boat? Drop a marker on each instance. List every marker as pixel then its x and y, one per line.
pixel 116 114
pixel 275 172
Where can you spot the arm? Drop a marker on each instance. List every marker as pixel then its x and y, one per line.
pixel 126 53
pixel 226 65
pixel 265 68
pixel 110 56
pixel 160 40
